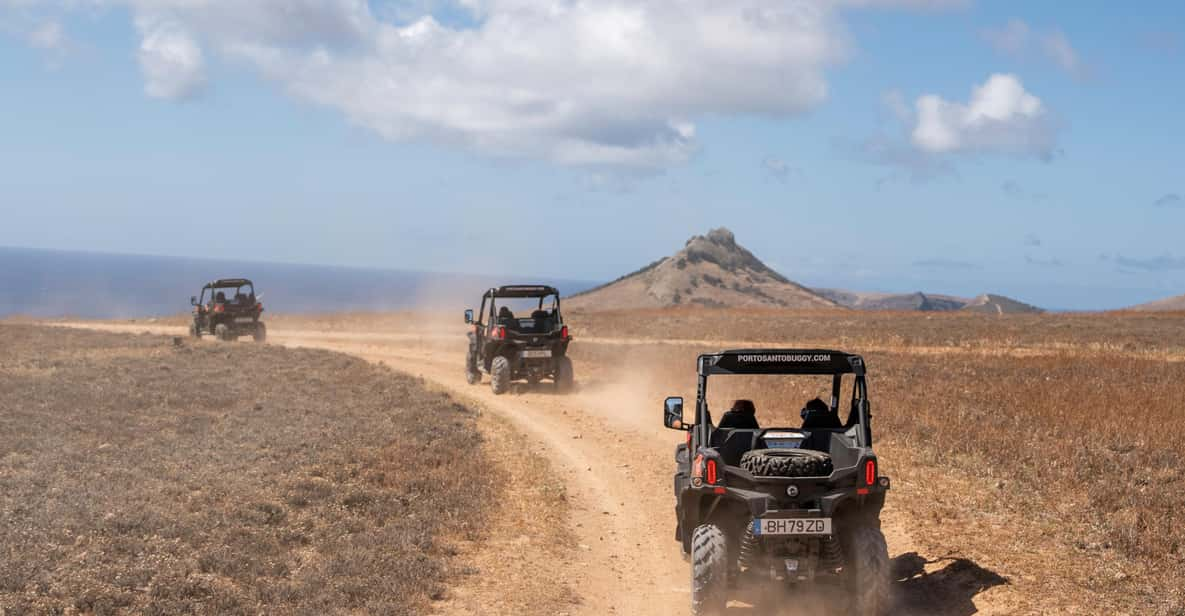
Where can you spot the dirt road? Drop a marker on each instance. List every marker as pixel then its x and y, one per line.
pixel 608 445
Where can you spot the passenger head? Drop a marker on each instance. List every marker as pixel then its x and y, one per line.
pixel 744 407
pixel 505 313
pixel 815 407
pixel 220 297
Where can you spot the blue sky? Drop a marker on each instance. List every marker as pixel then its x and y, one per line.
pixel 586 142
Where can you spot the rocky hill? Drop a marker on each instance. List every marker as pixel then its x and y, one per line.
pixel 998 304
pixel 711 270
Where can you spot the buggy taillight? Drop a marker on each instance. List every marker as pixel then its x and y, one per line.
pixel 705 471
pixel 870 472
pixel 500 333
pixel 564 332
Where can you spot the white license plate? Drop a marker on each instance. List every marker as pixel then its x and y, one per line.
pixel 791 526
pixel 243 319
pixel 536 353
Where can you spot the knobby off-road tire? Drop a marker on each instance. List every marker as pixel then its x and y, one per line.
pixel 194 332
pixel 565 377
pixel 260 334
pixel 472 376
pixel 787 463
pixel 866 569
pixel 222 332
pixel 500 375
pixel 709 571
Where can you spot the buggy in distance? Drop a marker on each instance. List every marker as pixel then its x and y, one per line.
pixel 531 345
pixel 227 309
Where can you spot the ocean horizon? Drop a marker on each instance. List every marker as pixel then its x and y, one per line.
pixel 54 283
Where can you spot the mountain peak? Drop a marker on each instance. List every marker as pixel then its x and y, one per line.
pixel 720 235
pixel 710 270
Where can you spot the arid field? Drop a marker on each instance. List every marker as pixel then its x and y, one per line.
pixel 141 477
pixel 1035 458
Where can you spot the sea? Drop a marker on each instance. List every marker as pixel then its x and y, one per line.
pixel 51 283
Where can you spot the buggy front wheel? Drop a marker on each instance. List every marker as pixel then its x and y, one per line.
pixel 709 571
pixel 472 376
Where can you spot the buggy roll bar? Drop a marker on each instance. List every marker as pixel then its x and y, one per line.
pixel 787 362
pixel 522 290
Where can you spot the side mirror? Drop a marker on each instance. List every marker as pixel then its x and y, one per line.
pixel 672 414
pixel 192 300
pixel 469 316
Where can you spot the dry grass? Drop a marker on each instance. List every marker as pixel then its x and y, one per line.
pixel 1064 422
pixel 1130 333
pixel 232 479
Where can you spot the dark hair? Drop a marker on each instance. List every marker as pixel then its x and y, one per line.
pixel 816 406
pixel 744 406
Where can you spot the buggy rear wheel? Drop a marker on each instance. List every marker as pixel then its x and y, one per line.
pixel 500 375
pixel 260 334
pixel 709 571
pixel 565 378
pixel 866 567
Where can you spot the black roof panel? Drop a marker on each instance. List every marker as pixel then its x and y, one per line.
pixel 781 361
pixel 523 290
pixel 228 282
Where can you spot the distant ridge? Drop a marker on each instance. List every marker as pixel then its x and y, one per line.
pixel 987 303
pixel 710 270
pixel 1168 304
pixel 893 301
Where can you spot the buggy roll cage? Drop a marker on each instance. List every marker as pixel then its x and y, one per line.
pixel 517 292
pixel 786 362
pixel 226 283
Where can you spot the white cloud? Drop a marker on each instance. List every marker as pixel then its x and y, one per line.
pixel 1000 117
pixel 600 83
pixel 49 36
pixel 1017 39
pixel 926 5
pixel 171 60
pixel 779 169
pixel 1012 38
pixel 584 82
pixel 1057 48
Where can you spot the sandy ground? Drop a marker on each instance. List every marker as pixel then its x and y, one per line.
pixel 613 551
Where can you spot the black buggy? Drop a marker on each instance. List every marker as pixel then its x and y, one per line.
pixel 781 505
pixel 228 308
pixel 531 345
